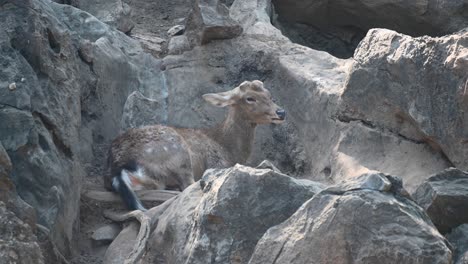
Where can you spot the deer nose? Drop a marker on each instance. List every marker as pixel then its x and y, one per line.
pixel 281 113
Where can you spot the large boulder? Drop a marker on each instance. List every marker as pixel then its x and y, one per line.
pixel 415 88
pixel 370 220
pixel 18 243
pixel 339 18
pixel 221 218
pixel 459 240
pixel 115 13
pixel 209 20
pixel 444 196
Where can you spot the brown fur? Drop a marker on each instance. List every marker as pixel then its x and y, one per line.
pixel 179 156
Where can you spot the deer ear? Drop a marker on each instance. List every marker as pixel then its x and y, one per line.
pixel 244 85
pixel 221 99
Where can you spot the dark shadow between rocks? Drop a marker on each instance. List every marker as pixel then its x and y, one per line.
pixel 337 27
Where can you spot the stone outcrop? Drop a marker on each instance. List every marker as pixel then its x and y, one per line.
pixel 368 221
pixel 459 240
pixel 72 74
pixel 209 20
pixel 18 243
pixel 220 219
pixel 115 13
pixel 338 26
pixel 444 196
pixel 395 84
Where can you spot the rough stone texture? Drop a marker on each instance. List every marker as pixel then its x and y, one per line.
pixel 209 20
pixel 150 43
pixel 140 111
pixel 459 240
pixel 124 243
pixel 355 226
pixel 18 244
pixel 444 196
pixel 396 83
pixel 178 44
pixel 176 30
pixel 220 218
pixel 115 13
pixel 106 233
pixel 73 74
pixel 338 26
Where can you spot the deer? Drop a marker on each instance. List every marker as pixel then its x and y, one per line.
pixel 163 157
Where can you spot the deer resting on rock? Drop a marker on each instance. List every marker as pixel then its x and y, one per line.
pixel 160 157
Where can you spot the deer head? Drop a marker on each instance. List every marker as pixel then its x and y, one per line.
pixel 251 101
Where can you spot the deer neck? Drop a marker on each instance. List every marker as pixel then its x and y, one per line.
pixel 236 135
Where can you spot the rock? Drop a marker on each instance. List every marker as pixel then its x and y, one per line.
pixel 459 239
pixel 78 73
pixel 12 86
pixel 209 20
pixel 9 196
pixel 150 42
pixel 444 196
pixel 356 226
pixel 266 164
pixel 220 219
pixel 340 18
pixel 18 244
pixel 140 111
pixel 158 196
pixel 178 44
pixel 115 13
pixel 176 30
pixel 106 233
pixel 407 99
pixel 369 181
pixel 124 243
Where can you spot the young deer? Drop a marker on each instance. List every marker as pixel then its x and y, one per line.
pixel 157 157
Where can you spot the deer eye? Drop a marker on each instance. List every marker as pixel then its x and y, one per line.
pixel 251 100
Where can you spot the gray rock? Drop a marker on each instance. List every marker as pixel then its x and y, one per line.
pixel 18 244
pixel 395 85
pixel 369 181
pixel 266 164
pixel 115 13
pixel 416 18
pixel 176 30
pixel 140 111
pixel 459 239
pixel 444 196
pixel 73 74
pixel 106 233
pixel 209 20
pixel 222 221
pixel 150 42
pixel 178 44
pixel 358 226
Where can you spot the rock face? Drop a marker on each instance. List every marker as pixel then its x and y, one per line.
pixel 395 84
pixel 73 74
pixel 338 26
pixel 209 20
pixel 220 219
pixel 459 240
pixel 18 244
pixel 444 196
pixel 368 224
pixel 115 13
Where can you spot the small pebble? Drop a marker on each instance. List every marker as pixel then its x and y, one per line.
pixel 23 79
pixel 12 86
